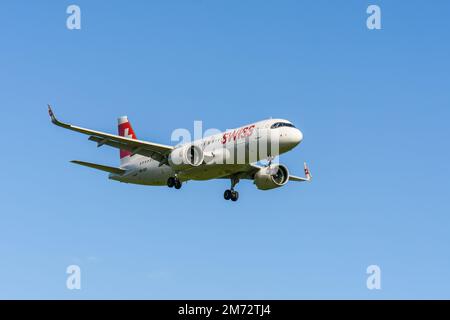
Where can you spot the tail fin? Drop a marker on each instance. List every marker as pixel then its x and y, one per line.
pixel 125 130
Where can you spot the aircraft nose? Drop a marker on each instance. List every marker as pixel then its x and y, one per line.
pixel 296 137
pixel 292 138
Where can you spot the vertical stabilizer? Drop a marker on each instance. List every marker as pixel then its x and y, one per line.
pixel 125 130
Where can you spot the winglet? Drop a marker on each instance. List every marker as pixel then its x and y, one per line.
pixel 51 114
pixel 56 121
pixel 308 175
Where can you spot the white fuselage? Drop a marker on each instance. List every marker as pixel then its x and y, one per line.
pixel 234 148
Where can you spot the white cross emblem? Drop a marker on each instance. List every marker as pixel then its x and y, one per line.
pixel 126 133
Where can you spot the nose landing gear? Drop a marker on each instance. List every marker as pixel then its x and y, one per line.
pixel 174 182
pixel 231 194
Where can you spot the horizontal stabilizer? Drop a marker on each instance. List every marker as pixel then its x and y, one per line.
pixel 99 167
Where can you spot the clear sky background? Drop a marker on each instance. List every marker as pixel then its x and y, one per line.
pixel 373 107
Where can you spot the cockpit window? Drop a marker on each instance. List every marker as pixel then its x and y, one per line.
pixel 281 124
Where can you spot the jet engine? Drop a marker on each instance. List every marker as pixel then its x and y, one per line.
pixel 185 157
pixel 271 177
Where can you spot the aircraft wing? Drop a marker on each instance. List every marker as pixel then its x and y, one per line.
pixel 156 151
pixel 307 177
pixel 247 171
pixel 291 177
pixel 299 179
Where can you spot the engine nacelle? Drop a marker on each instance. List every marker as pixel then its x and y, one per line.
pixel 270 178
pixel 185 157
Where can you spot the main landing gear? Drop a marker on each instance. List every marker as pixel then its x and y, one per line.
pixel 174 182
pixel 231 194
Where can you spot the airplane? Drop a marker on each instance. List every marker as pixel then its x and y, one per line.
pixel 232 155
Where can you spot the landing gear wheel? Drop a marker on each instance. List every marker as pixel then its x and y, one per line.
pixel 230 194
pixel 171 182
pixel 227 194
pixel 177 184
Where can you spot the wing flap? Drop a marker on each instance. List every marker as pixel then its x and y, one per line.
pixel 134 150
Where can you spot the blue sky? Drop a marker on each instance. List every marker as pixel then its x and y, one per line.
pixel 373 106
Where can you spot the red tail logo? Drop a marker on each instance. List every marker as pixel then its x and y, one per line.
pixel 125 130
